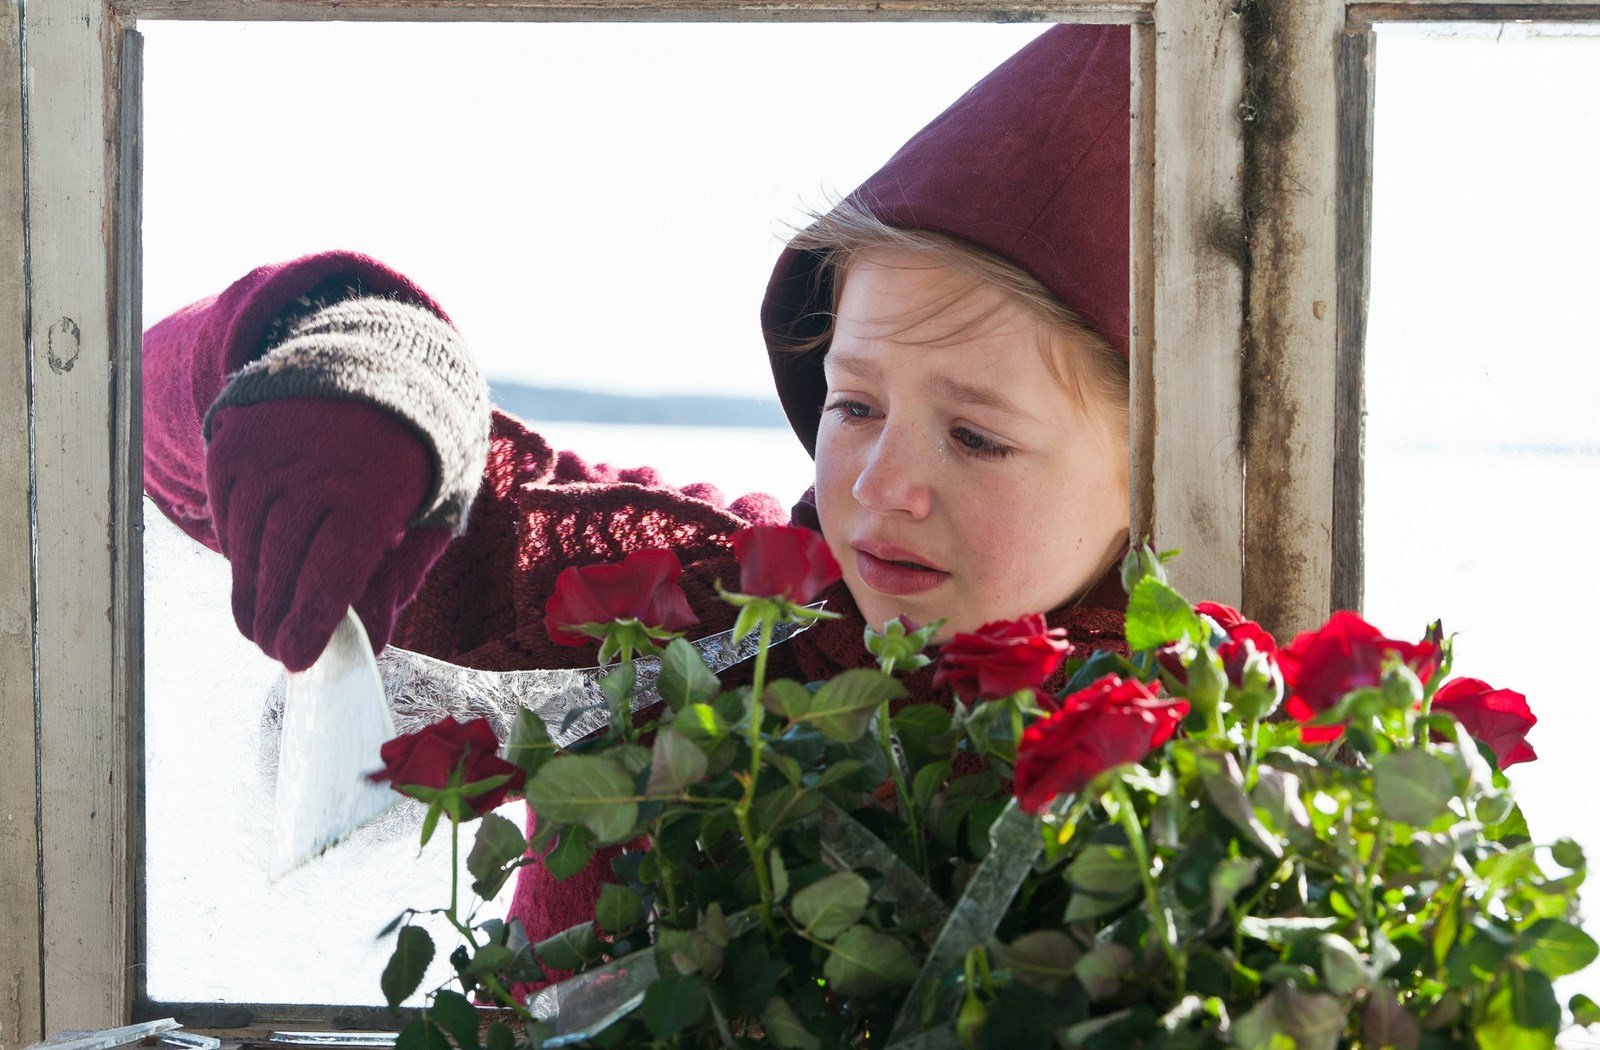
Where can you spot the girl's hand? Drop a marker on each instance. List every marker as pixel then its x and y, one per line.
pixel 310 498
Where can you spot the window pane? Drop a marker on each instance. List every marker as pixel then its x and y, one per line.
pixel 1483 376
pixel 598 207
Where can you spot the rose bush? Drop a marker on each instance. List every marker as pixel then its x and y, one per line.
pixel 1173 867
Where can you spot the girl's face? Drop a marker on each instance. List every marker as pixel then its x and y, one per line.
pixel 957 478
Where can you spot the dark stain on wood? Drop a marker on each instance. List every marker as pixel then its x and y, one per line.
pixel 1267 425
pixel 63 343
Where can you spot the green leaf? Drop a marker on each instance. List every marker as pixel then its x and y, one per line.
pixel 1412 787
pixel 865 962
pixel 1556 948
pixel 758 972
pixel 699 722
pixel 1522 1014
pixel 787 804
pixel 780 875
pixel 675 763
pixel 430 821
pixel 672 1004
pixel 1286 931
pixel 687 951
pixel 919 722
pixel 784 1030
pixel 787 699
pixel 588 789
pixel 421 1034
pixel 413 951
pixel 452 1012
pixel 1343 967
pixel 829 906
pixel 1225 788
pixel 1107 871
pixel 685 678
pixel 1157 614
pixel 749 619
pixel 572 852
pixel 491 958
pixel 1042 959
pixel 1085 905
pixel 529 745
pixel 619 909
pixel 500 1037
pixel 570 948
pixel 843 708
pixel 1585 1011
pixel 497 843
pixel 1568 854
pixel 929 779
pixel 1312 1019
pixel 1228 879
pixel 1386 1023
pixel 1101 970
pixel 784 764
pixel 617 685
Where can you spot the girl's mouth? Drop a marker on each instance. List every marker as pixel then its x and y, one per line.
pixel 898 576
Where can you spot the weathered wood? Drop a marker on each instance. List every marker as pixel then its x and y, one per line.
pixel 1356 92
pixel 21 1006
pixel 127 492
pixel 1141 267
pixel 1198 294
pixel 1361 15
pixel 71 129
pixel 641 10
pixel 1288 375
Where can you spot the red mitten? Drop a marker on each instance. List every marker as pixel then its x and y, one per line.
pixel 310 499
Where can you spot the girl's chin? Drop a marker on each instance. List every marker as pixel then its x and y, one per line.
pixel 878 609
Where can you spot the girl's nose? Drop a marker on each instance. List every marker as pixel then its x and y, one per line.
pixel 893 480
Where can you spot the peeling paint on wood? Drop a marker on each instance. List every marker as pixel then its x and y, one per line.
pixel 1198 296
pixel 69 78
pixel 1109 11
pixel 1286 417
pixel 1356 93
pixel 21 996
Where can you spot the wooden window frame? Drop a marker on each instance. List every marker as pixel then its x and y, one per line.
pixel 1248 326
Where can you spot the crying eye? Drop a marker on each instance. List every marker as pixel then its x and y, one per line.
pixel 848 409
pixel 977 445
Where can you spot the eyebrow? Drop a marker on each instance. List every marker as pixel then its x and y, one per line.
pixel 954 390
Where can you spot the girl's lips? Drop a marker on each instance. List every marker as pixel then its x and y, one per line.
pixel 890 577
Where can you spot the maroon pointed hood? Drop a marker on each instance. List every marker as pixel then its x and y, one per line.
pixel 1032 163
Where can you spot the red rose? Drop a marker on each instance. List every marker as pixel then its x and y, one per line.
pixel 1227 616
pixel 644 588
pixel 783 561
pixel 428 757
pixel 1499 718
pixel 1320 667
pixel 1002 657
pixel 1113 721
pixel 1245 638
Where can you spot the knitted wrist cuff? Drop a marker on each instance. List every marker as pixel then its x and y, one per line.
pixel 397 356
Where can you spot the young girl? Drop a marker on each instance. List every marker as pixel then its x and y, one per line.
pixel 950 343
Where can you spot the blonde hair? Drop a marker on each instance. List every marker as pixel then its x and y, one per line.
pixel 1093 370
